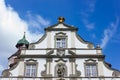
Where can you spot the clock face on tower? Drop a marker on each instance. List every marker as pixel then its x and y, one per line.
pixel 60 52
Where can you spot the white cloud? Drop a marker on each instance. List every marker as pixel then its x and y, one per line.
pixel 1 68
pixel 12 28
pixel 109 32
pixel 89 7
pixel 37 22
pixel 89 25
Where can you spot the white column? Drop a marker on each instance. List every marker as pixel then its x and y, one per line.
pixel 70 68
pixel 73 67
pixel 48 68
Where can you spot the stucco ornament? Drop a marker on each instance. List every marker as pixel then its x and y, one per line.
pixel 60 52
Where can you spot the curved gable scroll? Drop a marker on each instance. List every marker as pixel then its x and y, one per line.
pixel 89 44
pixel 32 45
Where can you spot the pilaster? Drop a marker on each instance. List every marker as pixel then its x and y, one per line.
pixel 72 62
pixel 48 65
pixel 100 69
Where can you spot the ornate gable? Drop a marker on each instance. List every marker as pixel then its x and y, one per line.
pixel 61 26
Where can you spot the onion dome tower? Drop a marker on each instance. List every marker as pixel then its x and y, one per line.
pixel 22 43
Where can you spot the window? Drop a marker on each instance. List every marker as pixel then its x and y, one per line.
pixel 60 42
pixel 90 70
pixel 31 70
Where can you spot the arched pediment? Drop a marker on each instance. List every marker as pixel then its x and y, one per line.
pixel 90 60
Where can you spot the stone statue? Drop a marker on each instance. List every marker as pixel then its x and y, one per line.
pixel 61 71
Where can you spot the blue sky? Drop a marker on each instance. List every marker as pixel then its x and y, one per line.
pixel 98 22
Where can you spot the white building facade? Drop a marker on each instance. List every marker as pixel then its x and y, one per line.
pixel 61 54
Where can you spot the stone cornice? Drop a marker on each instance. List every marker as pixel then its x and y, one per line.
pixel 66 56
pixel 63 48
pixel 62 29
pixel 51 28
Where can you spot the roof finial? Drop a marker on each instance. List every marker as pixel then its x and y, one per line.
pixel 22 42
pixel 98 46
pixel 24 35
pixel 61 19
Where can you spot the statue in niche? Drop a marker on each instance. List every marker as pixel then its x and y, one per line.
pixel 61 71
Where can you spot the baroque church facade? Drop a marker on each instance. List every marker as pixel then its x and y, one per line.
pixel 60 54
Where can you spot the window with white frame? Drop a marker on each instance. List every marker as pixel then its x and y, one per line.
pixel 61 42
pixel 30 70
pixel 91 70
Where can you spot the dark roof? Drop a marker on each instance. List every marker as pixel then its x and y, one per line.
pixel 15 54
pixel 108 64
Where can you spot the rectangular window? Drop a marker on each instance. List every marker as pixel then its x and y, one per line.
pixel 60 42
pixel 91 70
pixel 31 70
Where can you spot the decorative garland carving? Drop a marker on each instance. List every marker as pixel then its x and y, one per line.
pixel 43 73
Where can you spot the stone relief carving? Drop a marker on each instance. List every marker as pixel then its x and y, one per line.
pixel 43 73
pixel 78 73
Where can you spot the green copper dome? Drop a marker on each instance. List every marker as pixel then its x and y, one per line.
pixel 22 42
